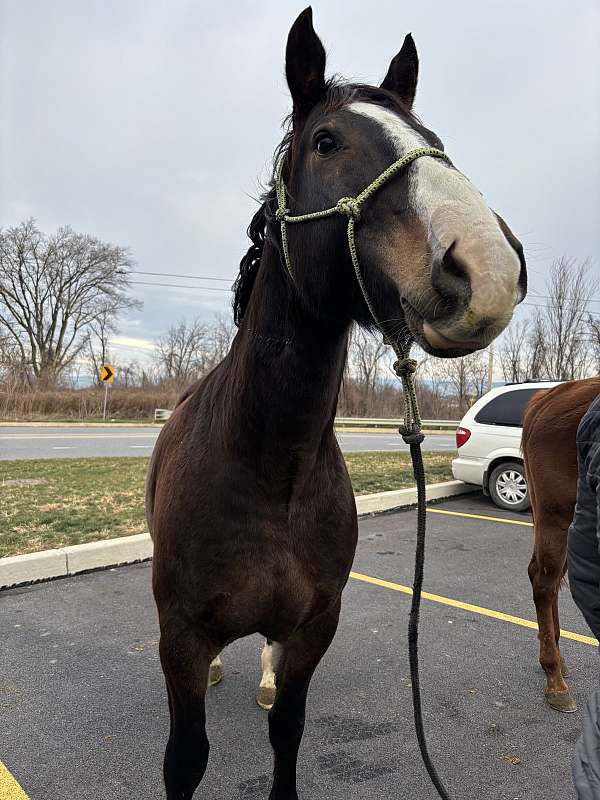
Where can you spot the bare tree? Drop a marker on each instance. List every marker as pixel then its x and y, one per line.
pixel 221 335
pixel 594 329
pixel 467 377
pixel 432 387
pixel 52 288
pixel 98 335
pixel 535 352
pixel 183 353
pixel 365 354
pixel 513 351
pixel 130 374
pixel 565 320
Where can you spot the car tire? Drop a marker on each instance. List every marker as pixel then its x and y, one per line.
pixel 508 486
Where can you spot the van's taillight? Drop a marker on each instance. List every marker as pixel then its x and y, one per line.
pixel 462 436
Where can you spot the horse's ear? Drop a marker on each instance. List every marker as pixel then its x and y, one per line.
pixel 403 73
pixel 305 65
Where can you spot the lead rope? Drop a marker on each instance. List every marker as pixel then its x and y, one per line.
pixel 410 430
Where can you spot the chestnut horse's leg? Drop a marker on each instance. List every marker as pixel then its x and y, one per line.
pixel 299 658
pixel 185 659
pixel 546 570
pixel 555 615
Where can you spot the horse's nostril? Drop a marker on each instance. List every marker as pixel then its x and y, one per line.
pixel 450 279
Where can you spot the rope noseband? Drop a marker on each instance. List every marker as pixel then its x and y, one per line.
pixel 351 207
pixel 404 367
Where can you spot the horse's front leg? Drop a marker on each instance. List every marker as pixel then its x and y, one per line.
pixel 299 658
pixel 185 656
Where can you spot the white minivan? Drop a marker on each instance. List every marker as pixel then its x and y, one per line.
pixel 489 444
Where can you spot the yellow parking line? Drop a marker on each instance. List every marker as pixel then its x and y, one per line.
pixel 479 516
pixel 484 612
pixel 9 788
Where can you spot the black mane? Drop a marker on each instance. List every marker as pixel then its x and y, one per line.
pixel 260 229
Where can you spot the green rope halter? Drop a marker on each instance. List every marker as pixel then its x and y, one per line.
pixel 351 207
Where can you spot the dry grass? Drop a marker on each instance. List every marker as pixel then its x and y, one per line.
pixel 81 500
pixel 84 404
pixel 381 472
pixel 73 501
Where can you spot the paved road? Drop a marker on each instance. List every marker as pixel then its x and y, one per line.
pixel 84 712
pixel 82 442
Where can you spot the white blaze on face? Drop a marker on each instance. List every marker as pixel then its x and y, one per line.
pixel 452 211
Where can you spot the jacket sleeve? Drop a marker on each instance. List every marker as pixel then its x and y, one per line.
pixel 583 547
pixel 586 765
pixel 584 579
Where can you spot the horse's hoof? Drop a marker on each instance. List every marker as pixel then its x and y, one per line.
pixel 561 701
pixel 215 674
pixel 564 670
pixel 265 697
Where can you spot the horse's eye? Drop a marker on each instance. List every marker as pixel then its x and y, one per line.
pixel 325 144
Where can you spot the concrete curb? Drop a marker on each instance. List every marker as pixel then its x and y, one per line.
pixel 368 504
pixel 64 561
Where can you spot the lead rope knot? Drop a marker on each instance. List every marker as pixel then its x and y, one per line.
pixel 404 366
pixel 349 206
pixel 411 434
pixel 281 214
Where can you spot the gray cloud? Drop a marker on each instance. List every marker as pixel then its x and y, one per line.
pixel 151 124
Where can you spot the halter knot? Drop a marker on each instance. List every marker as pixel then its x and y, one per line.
pixel 405 366
pixel 411 434
pixel 281 214
pixel 349 206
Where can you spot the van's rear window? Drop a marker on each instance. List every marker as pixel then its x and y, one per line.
pixel 506 409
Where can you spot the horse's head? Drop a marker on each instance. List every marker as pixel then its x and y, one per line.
pixel 435 259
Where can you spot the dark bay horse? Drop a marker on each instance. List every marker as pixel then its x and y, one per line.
pixel 248 498
pixel 549 452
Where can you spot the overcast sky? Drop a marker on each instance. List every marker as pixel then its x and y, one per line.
pixel 151 124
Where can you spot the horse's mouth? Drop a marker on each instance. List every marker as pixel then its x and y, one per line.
pixel 432 340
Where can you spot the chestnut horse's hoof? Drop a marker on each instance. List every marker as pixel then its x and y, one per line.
pixel 215 674
pixel 265 697
pixel 561 701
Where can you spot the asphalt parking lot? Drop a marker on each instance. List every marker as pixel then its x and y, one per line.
pixel 84 712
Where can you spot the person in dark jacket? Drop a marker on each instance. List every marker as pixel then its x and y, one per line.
pixel 584 580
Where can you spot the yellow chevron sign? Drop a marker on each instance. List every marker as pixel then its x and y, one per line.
pixel 107 373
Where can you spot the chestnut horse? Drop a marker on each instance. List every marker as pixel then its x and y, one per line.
pixel 248 497
pixel 549 452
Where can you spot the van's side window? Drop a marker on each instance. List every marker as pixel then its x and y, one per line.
pixel 506 409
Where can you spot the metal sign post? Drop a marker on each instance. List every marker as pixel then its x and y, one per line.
pixel 107 376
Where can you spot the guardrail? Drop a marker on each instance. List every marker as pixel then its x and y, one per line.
pixel 368 422
pixel 162 414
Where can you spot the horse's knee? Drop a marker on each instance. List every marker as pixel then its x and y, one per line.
pixel 545 574
pixel 532 569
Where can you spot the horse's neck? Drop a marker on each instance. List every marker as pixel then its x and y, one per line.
pixel 286 364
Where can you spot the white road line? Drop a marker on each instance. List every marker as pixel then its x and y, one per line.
pixel 138 446
pixel 62 447
pixel 37 437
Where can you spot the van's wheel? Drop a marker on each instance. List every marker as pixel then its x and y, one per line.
pixel 508 486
